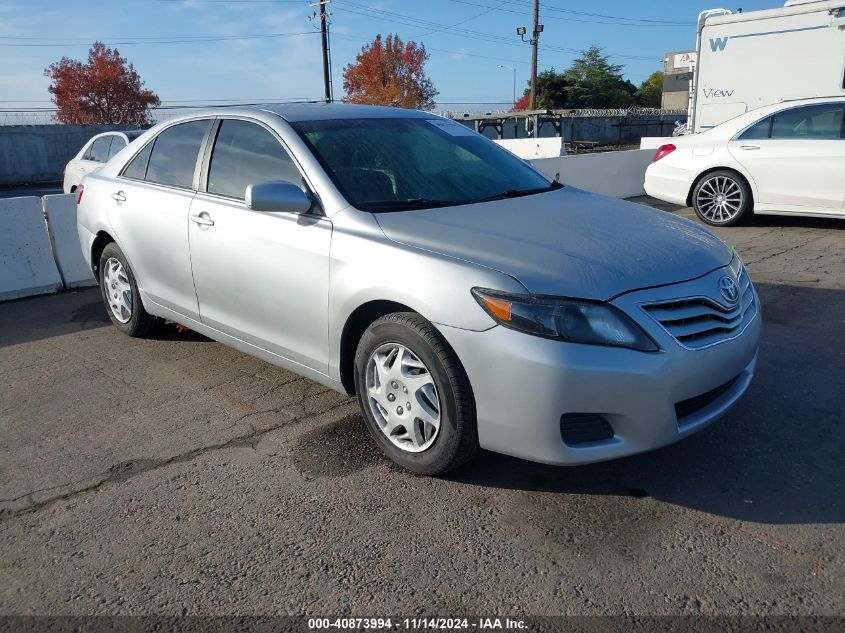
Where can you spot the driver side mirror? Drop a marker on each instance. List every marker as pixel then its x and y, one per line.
pixel 271 197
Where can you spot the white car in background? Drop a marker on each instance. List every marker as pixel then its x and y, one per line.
pixel 782 159
pixel 94 154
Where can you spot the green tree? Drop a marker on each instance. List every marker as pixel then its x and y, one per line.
pixel 650 93
pixel 596 83
pixel 551 91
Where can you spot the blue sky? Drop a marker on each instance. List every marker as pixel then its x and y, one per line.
pixel 281 59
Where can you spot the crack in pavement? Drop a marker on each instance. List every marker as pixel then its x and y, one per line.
pixel 124 471
pixel 783 252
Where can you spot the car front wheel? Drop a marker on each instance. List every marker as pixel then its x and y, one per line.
pixel 414 395
pixel 722 198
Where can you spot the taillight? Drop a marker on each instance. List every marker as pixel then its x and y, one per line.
pixel 79 190
pixel 663 151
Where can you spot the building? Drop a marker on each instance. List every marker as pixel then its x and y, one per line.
pixel 677 76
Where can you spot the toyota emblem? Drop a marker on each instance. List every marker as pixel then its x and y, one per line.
pixel 727 287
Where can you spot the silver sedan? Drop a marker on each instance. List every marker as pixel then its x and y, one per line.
pixel 467 300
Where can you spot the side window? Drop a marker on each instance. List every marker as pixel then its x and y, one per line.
pixel 174 154
pixel 100 149
pixel 117 144
pixel 245 153
pixel 137 167
pixel 89 153
pixel 822 121
pixel 759 130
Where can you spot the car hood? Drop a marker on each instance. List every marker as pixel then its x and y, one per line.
pixel 566 242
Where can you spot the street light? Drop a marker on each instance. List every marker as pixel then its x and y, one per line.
pixel 514 81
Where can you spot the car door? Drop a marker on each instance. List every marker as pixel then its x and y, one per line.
pixel 260 277
pixel 149 208
pixel 795 157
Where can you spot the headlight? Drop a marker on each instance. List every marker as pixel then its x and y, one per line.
pixel 572 320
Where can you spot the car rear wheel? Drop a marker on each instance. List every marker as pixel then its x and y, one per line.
pixel 722 198
pixel 120 294
pixel 414 395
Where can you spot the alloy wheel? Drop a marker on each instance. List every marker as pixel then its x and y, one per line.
pixel 118 290
pixel 403 397
pixel 719 199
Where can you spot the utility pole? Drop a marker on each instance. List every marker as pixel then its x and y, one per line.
pixel 533 40
pixel 324 35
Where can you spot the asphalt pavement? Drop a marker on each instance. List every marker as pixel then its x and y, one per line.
pixel 175 476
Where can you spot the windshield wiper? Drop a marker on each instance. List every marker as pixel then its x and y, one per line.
pixel 518 193
pixel 404 205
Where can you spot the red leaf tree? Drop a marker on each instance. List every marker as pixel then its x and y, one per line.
pixel 105 90
pixel 390 72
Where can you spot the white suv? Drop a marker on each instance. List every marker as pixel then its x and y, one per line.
pixel 94 154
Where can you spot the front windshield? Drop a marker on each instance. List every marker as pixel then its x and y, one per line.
pixel 399 164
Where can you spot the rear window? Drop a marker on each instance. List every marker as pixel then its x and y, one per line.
pixel 174 155
pixel 99 151
pixel 137 168
pixel 759 130
pixel 117 144
pixel 823 121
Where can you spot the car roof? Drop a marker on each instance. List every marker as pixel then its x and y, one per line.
pixel 295 112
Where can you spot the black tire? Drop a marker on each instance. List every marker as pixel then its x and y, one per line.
pixel 711 184
pixel 456 441
pixel 141 323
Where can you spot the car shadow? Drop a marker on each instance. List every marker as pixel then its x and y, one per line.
pixel 34 318
pixel 775 458
pixel 788 221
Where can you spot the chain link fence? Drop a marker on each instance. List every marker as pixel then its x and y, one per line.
pixel 47 116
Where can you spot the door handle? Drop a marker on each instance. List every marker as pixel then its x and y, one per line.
pixel 202 219
pixel 118 196
pixel 749 147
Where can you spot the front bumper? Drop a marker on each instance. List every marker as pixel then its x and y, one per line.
pixel 523 385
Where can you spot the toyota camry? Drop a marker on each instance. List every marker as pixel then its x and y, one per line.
pixel 465 299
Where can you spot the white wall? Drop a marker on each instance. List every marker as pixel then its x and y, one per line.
pixel 26 259
pixel 530 148
pixel 615 174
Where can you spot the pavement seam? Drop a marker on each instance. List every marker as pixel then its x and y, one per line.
pixel 124 471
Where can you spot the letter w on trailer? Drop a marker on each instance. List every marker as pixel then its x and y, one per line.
pixel 749 60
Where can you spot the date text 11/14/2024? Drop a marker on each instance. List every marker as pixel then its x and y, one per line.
pixel 417 624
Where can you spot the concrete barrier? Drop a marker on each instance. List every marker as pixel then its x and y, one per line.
pixel 60 211
pixel 26 259
pixel 531 148
pixel 615 174
pixel 653 142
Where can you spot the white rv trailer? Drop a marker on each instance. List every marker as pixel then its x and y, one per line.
pixel 749 60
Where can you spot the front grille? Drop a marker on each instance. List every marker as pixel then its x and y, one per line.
pixel 698 322
pixel 584 428
pixel 686 408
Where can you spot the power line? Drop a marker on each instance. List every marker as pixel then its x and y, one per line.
pixel 552 7
pixel 621 22
pixel 394 17
pixel 364 40
pixel 135 41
